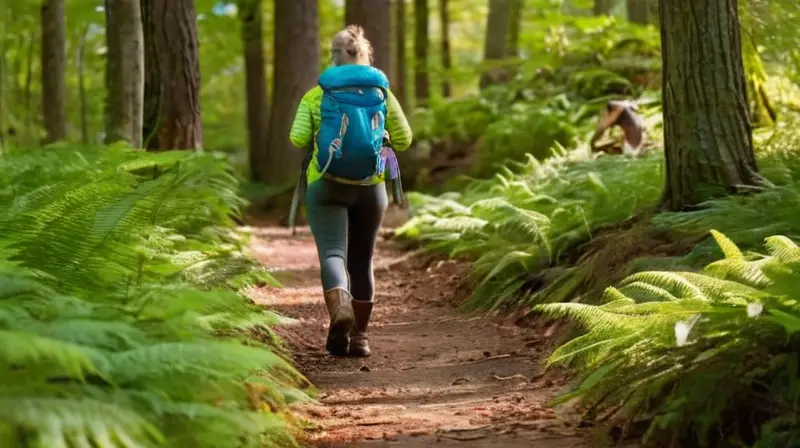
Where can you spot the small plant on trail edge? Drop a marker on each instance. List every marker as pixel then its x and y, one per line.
pixel 120 323
pixel 706 359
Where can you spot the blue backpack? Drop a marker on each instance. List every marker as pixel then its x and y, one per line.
pixel 353 117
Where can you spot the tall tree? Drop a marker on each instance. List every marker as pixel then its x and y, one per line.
pixel 124 71
pixel 602 7
pixel 399 87
pixel 514 28
pixel 421 43
pixel 255 74
pixel 637 11
pixel 375 17
pixel 297 61
pixel 152 79
pixel 495 42
pixel 80 62
pixel 54 59
pixel 447 63
pixel 707 130
pixel 172 87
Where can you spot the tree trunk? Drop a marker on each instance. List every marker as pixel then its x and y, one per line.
pixel 54 58
pixel 399 87
pixel 495 43
pixel 637 11
pixel 375 17
pixel 447 63
pixel 27 93
pixel 602 7
pixel 707 130
pixel 297 56
pixel 124 71
pixel 514 28
pixel 80 62
pixel 174 39
pixel 151 107
pixel 255 74
pixel 421 42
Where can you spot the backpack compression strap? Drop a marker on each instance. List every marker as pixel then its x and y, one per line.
pixel 335 148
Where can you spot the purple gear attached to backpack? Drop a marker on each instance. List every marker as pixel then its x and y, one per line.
pixel 390 160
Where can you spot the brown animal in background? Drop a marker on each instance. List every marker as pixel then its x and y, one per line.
pixel 620 113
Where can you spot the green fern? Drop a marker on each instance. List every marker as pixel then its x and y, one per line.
pixel 120 317
pixel 688 348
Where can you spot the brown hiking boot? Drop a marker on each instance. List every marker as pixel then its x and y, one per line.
pixel 359 344
pixel 342 319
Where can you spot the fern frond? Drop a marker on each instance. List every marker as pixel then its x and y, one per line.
pixel 53 422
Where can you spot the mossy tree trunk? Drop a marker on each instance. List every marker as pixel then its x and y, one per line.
pixel 399 85
pixel 497 24
pixel 124 71
pixel 297 63
pixel 707 130
pixel 447 58
pixel 638 11
pixel 375 16
pixel 255 73
pixel 54 60
pixel 421 43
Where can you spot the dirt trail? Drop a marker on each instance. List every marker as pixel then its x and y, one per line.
pixel 436 377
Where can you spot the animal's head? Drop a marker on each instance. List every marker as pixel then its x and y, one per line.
pixel 622 113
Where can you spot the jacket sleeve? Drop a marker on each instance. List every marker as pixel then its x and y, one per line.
pixel 301 132
pixel 397 124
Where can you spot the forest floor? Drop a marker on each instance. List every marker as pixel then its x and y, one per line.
pixel 436 377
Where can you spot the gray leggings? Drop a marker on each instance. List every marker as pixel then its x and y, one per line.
pixel 345 220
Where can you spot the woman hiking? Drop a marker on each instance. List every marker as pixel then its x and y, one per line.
pixel 346 117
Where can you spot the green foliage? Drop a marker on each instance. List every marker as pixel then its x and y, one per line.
pixel 711 357
pixel 532 218
pixel 119 317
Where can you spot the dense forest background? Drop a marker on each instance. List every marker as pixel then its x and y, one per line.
pixel 124 314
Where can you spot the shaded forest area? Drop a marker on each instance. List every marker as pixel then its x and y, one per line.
pixel 622 172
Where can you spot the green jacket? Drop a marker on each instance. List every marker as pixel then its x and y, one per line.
pixel 308 118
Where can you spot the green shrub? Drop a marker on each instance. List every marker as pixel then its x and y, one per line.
pixel 119 319
pixel 516 224
pixel 528 129
pixel 708 358
pixel 599 82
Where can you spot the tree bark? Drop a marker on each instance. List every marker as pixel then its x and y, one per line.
pixel 707 130
pixel 80 62
pixel 124 71
pixel 174 39
pixel 637 11
pixel 151 107
pixel 375 17
pixel 255 74
pixel 514 28
pixel 495 42
pixel 602 7
pixel 421 43
pixel 27 92
pixel 447 63
pixel 399 87
pixel 54 58
pixel 297 57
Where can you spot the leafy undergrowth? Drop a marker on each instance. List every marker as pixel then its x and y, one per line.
pixel 575 65
pixel 707 358
pixel 120 320
pixel 555 235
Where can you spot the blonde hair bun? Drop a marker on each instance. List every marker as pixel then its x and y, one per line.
pixel 350 46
